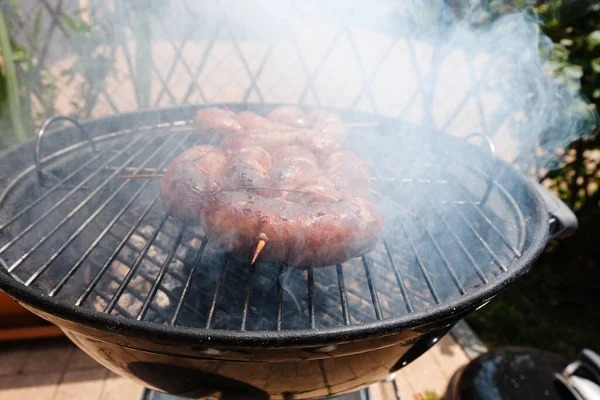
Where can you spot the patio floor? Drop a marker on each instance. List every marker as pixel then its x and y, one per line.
pixel 57 370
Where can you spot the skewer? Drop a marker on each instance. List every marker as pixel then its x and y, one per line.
pixel 262 241
pixel 142 176
pixel 143 170
pixel 394 203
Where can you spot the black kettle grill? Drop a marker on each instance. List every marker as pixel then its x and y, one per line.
pixel 156 301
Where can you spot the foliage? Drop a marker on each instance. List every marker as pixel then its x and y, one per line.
pixel 553 307
pixel 35 80
pixel 428 395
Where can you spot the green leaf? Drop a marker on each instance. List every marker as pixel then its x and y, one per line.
pixel 19 52
pixel 596 93
pixel 593 39
pixel 596 64
pixel 566 42
pixel 37 27
pixel 75 26
pixel 573 71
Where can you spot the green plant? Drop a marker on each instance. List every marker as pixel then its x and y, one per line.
pixel 552 307
pixel 428 395
pixel 10 85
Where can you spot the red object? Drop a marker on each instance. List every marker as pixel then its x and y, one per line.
pixel 18 323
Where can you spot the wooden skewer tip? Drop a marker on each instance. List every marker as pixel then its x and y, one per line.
pixel 262 241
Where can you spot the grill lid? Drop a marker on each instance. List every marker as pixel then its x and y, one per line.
pixel 80 241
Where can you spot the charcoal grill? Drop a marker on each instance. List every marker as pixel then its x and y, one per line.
pixel 154 300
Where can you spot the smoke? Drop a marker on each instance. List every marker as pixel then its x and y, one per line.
pixel 434 73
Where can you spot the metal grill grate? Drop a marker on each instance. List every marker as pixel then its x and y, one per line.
pixel 83 234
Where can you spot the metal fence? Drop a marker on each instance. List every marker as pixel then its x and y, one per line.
pixel 94 58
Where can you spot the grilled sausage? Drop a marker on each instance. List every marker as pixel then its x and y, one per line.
pixel 292 165
pixel 268 139
pixel 280 119
pixel 217 120
pixel 299 234
pixel 294 187
pixel 190 179
pixel 288 115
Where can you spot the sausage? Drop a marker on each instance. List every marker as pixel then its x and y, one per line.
pixel 217 120
pixel 321 145
pixel 292 187
pixel 300 234
pixel 320 189
pixel 328 124
pixel 249 120
pixel 350 175
pixel 280 119
pixel 289 115
pixel 292 165
pixel 190 179
pixel 248 167
pixel 270 140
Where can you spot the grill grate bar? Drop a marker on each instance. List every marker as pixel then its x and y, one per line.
pixel 102 234
pixel 399 278
pixel 372 288
pixel 217 292
pixel 135 266
pixel 481 240
pixel 53 188
pixel 279 298
pixel 422 268
pixel 483 215
pixel 95 214
pixel 113 278
pixel 311 297
pixel 118 308
pixel 445 261
pixel 133 293
pixel 460 243
pixel 161 247
pixel 161 275
pixel 65 198
pixel 72 213
pixel 186 288
pixel 343 297
pixel 144 275
pixel 248 296
pixel 88 289
pixel 149 257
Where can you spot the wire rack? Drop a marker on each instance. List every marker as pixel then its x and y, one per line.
pixel 74 229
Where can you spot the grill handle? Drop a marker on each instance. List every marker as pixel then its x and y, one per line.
pixel 42 131
pixel 563 221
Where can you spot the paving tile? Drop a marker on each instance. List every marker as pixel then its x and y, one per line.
pixel 86 384
pixel 29 387
pixel 80 360
pixel 405 388
pixel 424 374
pixel 13 358
pixel 117 388
pixel 51 358
pixel 449 355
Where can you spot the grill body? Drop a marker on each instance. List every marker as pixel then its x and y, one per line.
pixel 272 331
pixel 257 372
